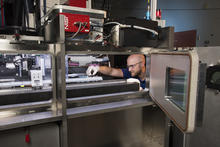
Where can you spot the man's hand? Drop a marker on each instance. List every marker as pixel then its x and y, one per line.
pixel 92 70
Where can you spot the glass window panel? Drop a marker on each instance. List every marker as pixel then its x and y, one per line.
pixel 25 70
pixel 176 90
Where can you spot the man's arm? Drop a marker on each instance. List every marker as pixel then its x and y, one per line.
pixel 115 72
pixel 93 69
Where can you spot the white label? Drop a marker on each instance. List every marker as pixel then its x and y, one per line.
pixel 66 21
pixel 36 78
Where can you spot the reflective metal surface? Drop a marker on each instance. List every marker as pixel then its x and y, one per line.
pixel 75 48
pixel 108 107
pixel 124 102
pixel 57 36
pixel 207 115
pixel 25 47
pixel 44 135
pixel 63 8
pixel 210 126
pixel 118 129
pixel 177 98
pixel 61 90
pixel 26 106
pixel 28 120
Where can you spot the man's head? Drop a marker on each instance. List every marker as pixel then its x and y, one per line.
pixel 136 65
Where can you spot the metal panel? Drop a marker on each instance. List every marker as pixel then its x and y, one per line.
pixel 46 135
pixel 210 127
pixel 90 12
pixel 201 94
pixel 61 90
pixel 187 62
pixel 100 88
pixel 121 129
pixel 207 128
pixel 19 109
pixel 16 96
pixel 57 24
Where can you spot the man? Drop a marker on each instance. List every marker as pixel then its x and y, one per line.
pixel 135 69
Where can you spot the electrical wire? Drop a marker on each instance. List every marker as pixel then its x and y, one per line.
pixel 140 28
pixel 79 29
pixel 27 12
pixel 109 23
pixel 130 26
pixel 106 37
pixel 103 5
pixel 74 35
pixel 84 26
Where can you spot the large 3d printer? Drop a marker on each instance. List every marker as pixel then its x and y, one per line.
pixel 46 98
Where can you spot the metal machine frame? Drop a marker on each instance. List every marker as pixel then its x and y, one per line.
pixel 207 107
pixel 63 47
pixel 62 112
pixel 25 111
pixel 184 119
pixel 130 99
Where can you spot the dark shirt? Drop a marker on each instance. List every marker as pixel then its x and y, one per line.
pixel 127 75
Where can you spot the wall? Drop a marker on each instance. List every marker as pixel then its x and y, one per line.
pixel 202 15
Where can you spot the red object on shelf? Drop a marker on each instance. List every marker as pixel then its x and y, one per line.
pixel 27 138
pixel 72 22
pixel 158 14
pixel 78 3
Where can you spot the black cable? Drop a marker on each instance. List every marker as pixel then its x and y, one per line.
pixel 17 5
pixel 2 12
pixel 93 4
pixel 26 12
pixel 103 5
pixel 45 7
pixel 108 6
pixel 37 16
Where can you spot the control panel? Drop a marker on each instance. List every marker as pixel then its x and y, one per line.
pixel 76 23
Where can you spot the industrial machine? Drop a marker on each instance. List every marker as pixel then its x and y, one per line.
pixel 46 98
pixel 80 24
pixel 44 84
pixel 127 32
pixel 206 121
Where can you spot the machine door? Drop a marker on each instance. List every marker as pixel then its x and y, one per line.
pixel 173 86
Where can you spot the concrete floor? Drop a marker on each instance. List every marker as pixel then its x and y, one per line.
pixel 154 127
